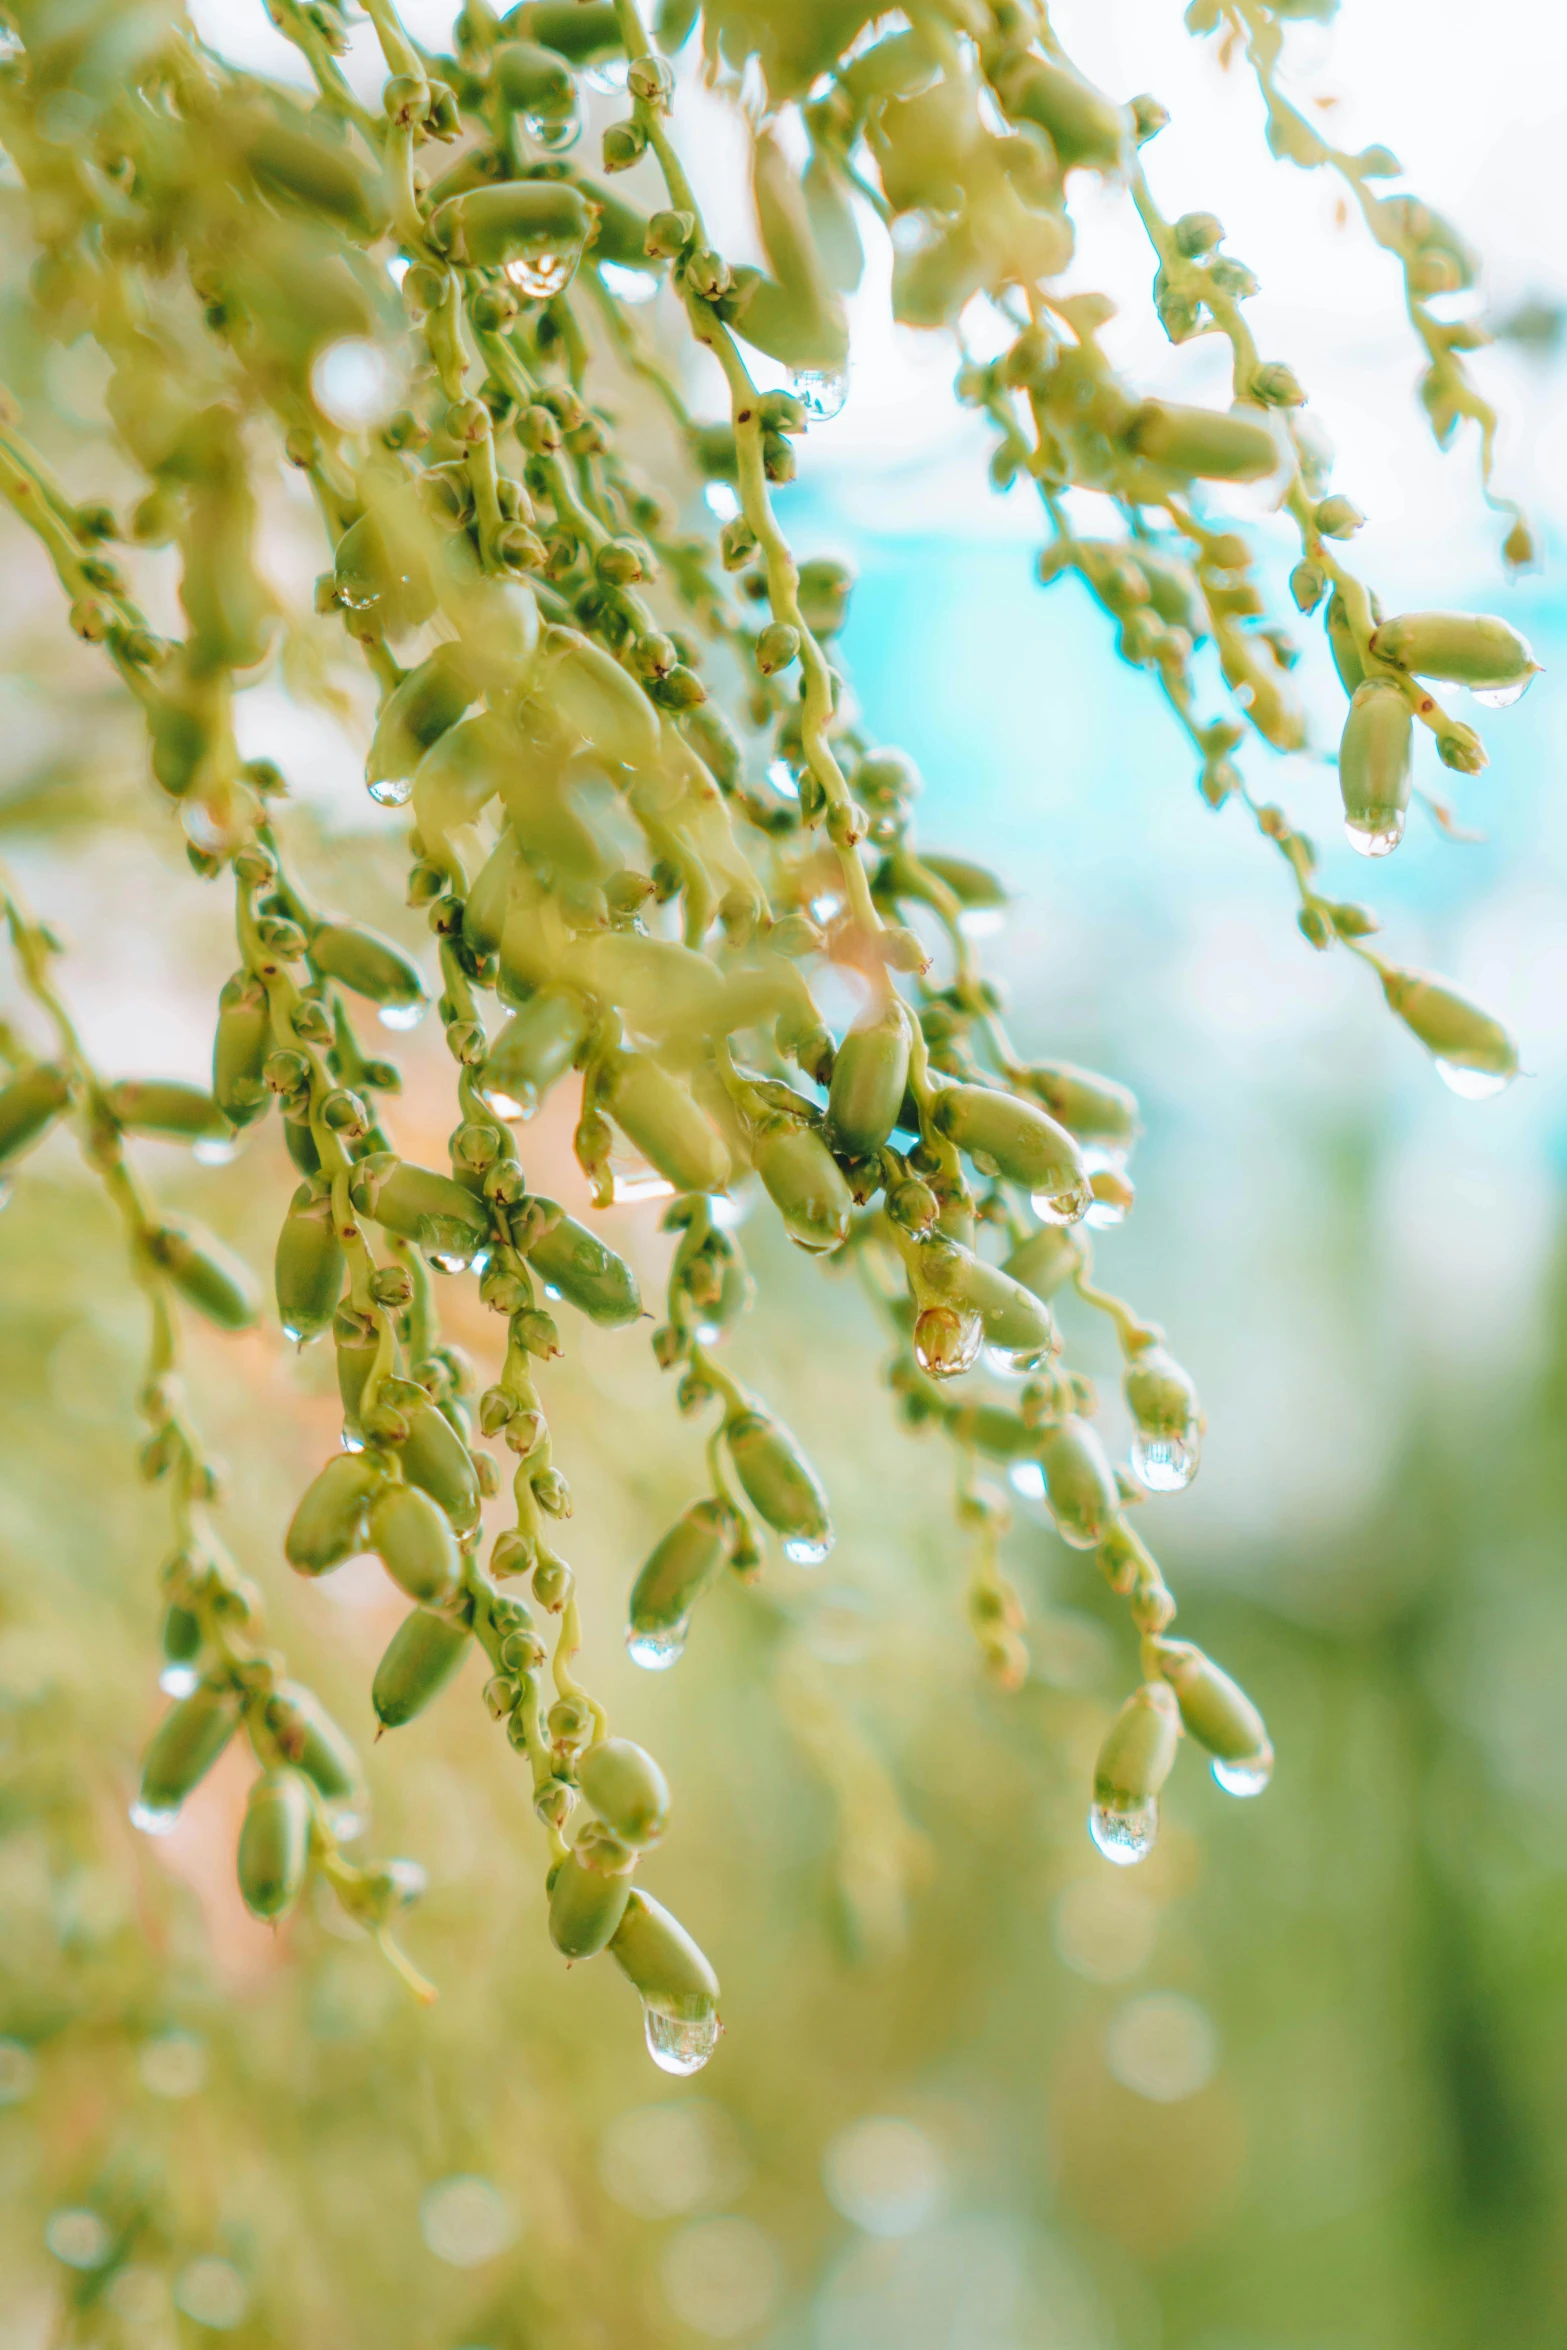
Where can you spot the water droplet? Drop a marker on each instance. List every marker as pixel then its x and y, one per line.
pixel 1002 1365
pixel 346 1823
pixel 1502 697
pixel 783 779
pixel 176 1681
pixel 507 1105
pixel 352 1443
pixel 1375 835
pixel 1105 1214
pixel 640 1183
pixel 826 908
pixel 680 2044
pixel 1105 1158
pixel 1246 1777
pixel 1473 1085
pixel 392 791
pixel 633 286
pixel 1165 1464
pixel 947 1343
pixel 154 1819
pixel 352 600
pixel 1064 1207
pixel 721 501
pixel 808 1550
pixel 354 383
pixel 398 267
pixel 821 391
pixel 554 132
pixel 402 1016
pixel 730 1212
pixel 656 1651
pixel 445 1263
pixel 1027 1478
pixel 608 76
pixel 1125 1833
pixel 216 1150
pixel 552 1294
pixel 708 1333
pixel 539 275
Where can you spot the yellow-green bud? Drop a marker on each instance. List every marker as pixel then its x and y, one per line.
pixel 1166 1419
pixel 781 1485
pixel 1474 1053
pixel 29 1106
pixel 678 1986
pixel 274 1844
pixel 328 1524
pixel 361 959
pixel 435 1458
pixel 239 1049
pixel 1134 1762
pixel 1220 1716
pixel 1079 1482
pixel 520 226
pixel 425 1652
pixel 1374 766
pixel 1047 1260
pixel 1013 1139
pixel 627 1789
pixel 182 1750
pixel 308 1268
pixel 1084 127
pixel 654 1111
pixel 412 1537
pixel 305 1734
pixel 207 1275
pixel 420 1205
pixel 869 1076
pixel 588 1275
pixel 1464 648
pixel 803 1180
pixel 586 1905
pixel 1212 443
pixel 540 1041
pixel 162 1105
pixel 678 1571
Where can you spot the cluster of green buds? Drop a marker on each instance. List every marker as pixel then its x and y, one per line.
pixel 646 822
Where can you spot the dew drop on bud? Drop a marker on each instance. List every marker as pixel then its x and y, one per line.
pixel 655 1652
pixel 553 132
pixel 506 1105
pixel 1502 697
pixel 175 1681
pixel 539 275
pixel 608 76
pixel 216 1150
pixel 634 286
pixel 1027 1478
pixel 1378 836
pixel 1063 1207
pixel 808 1550
pixel 821 391
pixel 1249 1776
pixel 947 1343
pixel 392 791
pixel 1165 1464
pixel 680 2044
pixel 1125 1833
pixel 1474 1085
pixel 403 1015
pixel 154 1819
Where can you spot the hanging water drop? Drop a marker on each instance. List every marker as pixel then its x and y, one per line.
pixel 402 1016
pixel 1165 1464
pixel 216 1150
pixel 821 391
pixel 155 1819
pixel 1502 697
pixel 656 1651
pixel 808 1550
pixel 1027 1478
pixel 633 286
pixel 1125 1833
pixel 554 132
pixel 174 1681
pixel 539 275
pixel 507 1105
pixel 1376 834
pixel 352 1443
pixel 608 76
pixel 1473 1085
pixel 1249 1776
pixel 392 791
pixel 1064 1207
pixel 947 1343
pixel 680 2044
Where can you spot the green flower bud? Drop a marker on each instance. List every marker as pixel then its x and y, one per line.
pixel 182 1750
pixel 586 1906
pixel 1464 648
pixel 1213 444
pixel 1011 1138
pixel 679 1988
pixel 588 1275
pixel 430 699
pixel 1094 1109
pixel 1134 1762
pixel 303 168
pixel 802 1179
pixel 305 1734
pixel 207 1275
pixel 1474 1053
pixel 1338 518
pixel 361 959
pixel 308 1268
pixel 413 1539
pixel 1047 1260
pixel 377 568
pixel 678 1570
pixel 420 1205
pixel 663 988
pixel 602 702
pixel 274 1844
pixel 239 1048
pixel 426 1651
pixel 1014 1320
pixel 435 1458
pixel 999 1434
pixel 1308 586
pixel 1167 1420
pixel 538 1043
pixel 1085 128
pixel 1197 233
pixel 488 903
pixel 1220 1716
pixel 869 1077
pixel 328 1524
pixel 1079 1482
pixel 354 1342
pixel 29 1106
pixel 531 79
pixel 162 1105
pixel 533 229
pixel 781 1485
pixel 1374 766
pixel 583 30
pixel 656 1113
pixel 627 1789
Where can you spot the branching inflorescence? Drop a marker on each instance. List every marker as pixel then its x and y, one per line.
pixel 622 880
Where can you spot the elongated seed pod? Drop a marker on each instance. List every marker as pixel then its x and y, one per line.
pixel 663 988
pixel 207 1275
pixel 305 169
pixel 583 30
pixel 1047 1260
pixel 419 1204
pixel 678 1570
pixel 361 959
pixel 1079 1482
pixel 308 1268
pixel 29 1106
pixel 517 221
pixel 355 1345
pixel 183 1749
pixel 1464 648
pixel 991 1429
pixel 1213 443
pixel 1160 1395
pixel 328 1524
pixel 869 1075
pixel 165 1106
pixel 426 1651
pixel 1094 1109
pixel 1084 126
pixel 538 1044
pixel 435 1458
pixel 1374 765
pixel 1217 1712
pixel 412 1537
pixel 804 1182
pixel 626 1788
pixel 489 901
pixel 1016 1320
pixel 654 1111
pixel 306 1735
pixel 1014 1139
pixel 590 692
pixel 589 1275
pixel 429 699
pixel 274 1844
pixel 586 1906
pixel 781 1485
pixel 239 1049
pixel 1139 1753
pixel 656 1954
pixel 1474 1052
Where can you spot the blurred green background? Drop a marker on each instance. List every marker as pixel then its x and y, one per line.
pixel 1296 2084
